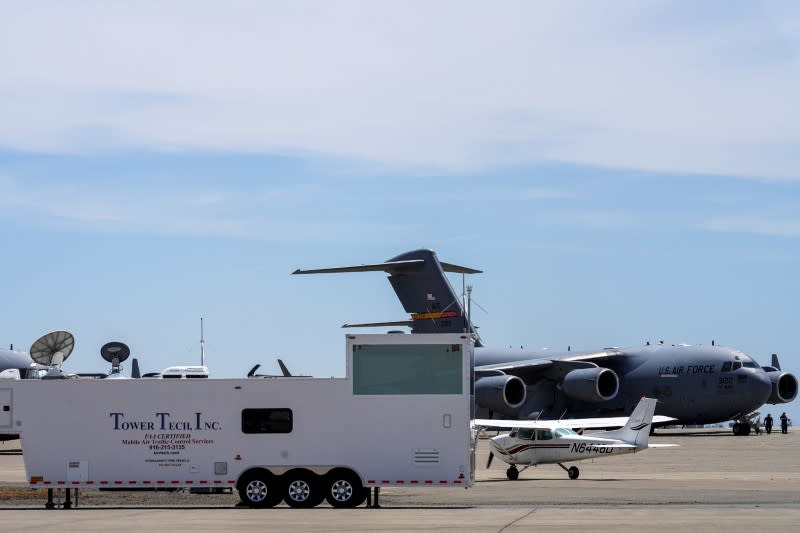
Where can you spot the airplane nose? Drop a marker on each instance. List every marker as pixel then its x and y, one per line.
pixel 760 388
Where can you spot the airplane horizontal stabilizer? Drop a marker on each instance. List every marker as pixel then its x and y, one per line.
pixel 450 267
pixel 395 266
pixel 380 324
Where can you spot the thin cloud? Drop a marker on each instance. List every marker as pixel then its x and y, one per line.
pixel 455 86
pixel 277 214
pixel 758 225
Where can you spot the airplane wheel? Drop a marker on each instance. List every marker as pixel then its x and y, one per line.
pixel 303 489
pixel 260 489
pixel 512 473
pixel 737 428
pixel 573 472
pixel 745 430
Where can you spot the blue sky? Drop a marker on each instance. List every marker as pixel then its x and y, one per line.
pixel 622 172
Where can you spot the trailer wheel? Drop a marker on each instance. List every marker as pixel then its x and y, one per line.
pixel 302 489
pixel 344 489
pixel 259 489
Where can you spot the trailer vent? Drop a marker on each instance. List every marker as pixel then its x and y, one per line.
pixel 426 456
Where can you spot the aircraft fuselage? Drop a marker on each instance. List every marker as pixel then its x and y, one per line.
pixel 695 384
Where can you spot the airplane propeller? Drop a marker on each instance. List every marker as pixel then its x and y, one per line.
pixel 489 462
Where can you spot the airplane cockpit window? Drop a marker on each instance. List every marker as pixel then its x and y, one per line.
pixel 750 364
pixel 737 365
pixel 564 432
pixel 726 367
pixel 543 434
pixel 525 433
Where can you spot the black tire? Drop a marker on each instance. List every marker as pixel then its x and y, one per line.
pixel 512 473
pixel 737 428
pixel 573 472
pixel 260 489
pixel 343 489
pixel 745 430
pixel 302 489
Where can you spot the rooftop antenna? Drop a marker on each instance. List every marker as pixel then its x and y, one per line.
pixel 202 345
pixel 52 350
pixel 469 303
pixel 115 353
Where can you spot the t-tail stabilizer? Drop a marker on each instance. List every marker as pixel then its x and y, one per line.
pixel 418 278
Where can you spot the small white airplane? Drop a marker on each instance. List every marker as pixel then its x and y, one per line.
pixel 531 443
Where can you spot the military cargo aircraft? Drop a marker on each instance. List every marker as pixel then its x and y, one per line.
pixel 694 384
pixel 532 443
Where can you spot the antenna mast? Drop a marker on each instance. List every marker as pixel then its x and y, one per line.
pixel 202 345
pixel 469 303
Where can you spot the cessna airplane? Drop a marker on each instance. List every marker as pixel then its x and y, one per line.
pixel 555 442
pixel 694 384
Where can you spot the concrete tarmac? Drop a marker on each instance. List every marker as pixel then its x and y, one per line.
pixel 712 482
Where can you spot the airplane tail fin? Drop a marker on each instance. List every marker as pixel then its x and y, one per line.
pixel 418 278
pixel 637 429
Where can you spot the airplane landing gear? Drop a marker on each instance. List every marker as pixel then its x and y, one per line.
pixel 572 471
pixel 741 429
pixel 512 473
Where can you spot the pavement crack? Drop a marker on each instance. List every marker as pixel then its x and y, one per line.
pixel 526 515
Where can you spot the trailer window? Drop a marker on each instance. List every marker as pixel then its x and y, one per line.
pixel 407 369
pixel 266 420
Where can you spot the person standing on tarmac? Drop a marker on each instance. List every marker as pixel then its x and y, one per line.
pixel 768 424
pixel 784 424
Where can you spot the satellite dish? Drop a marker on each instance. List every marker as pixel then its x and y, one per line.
pixel 53 348
pixel 115 350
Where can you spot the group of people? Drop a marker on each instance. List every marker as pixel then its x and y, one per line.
pixel 784 424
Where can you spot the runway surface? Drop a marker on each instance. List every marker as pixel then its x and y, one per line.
pixel 712 482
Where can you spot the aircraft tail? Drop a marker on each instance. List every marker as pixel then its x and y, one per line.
pixel 418 278
pixel 637 429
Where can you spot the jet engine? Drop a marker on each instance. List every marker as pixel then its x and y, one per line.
pixel 591 384
pixel 784 387
pixel 501 394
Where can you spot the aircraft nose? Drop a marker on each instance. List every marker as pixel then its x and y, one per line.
pixel 760 388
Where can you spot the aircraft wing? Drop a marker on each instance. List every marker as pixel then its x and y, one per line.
pixel 572 423
pixel 517 368
pixel 529 369
pixel 554 367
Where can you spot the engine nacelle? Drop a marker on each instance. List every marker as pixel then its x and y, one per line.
pixel 501 394
pixel 591 384
pixel 784 387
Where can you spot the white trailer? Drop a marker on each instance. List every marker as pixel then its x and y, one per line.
pixel 400 418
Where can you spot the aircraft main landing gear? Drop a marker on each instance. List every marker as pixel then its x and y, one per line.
pixel 741 429
pixel 572 471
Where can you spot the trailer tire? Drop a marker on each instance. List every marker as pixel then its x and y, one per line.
pixel 260 489
pixel 302 489
pixel 343 489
